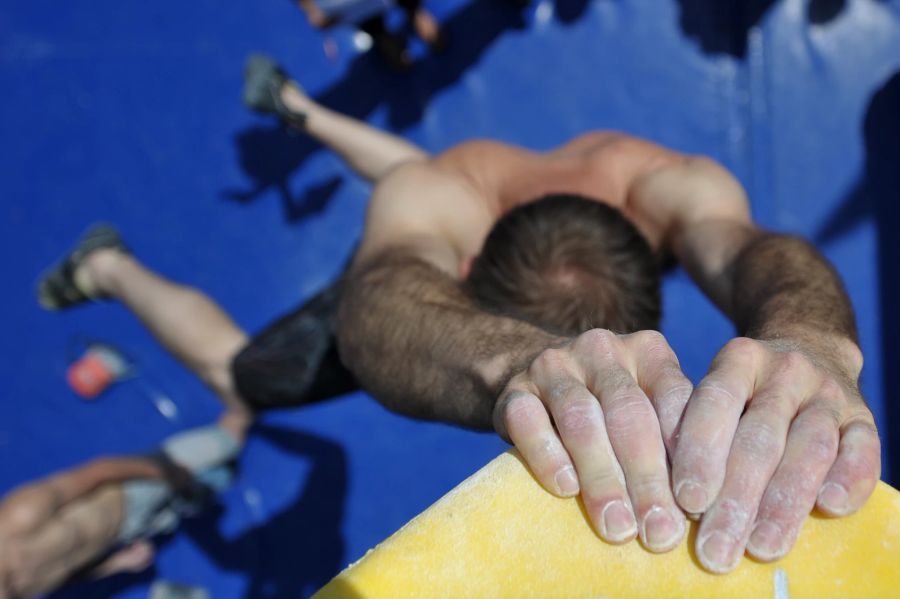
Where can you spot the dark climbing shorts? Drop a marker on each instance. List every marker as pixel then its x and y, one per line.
pixel 294 361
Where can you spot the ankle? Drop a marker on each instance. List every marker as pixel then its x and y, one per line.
pixel 294 98
pixel 98 272
pixel 236 420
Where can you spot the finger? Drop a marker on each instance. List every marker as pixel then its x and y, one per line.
pixel 580 422
pixel 659 375
pixel 527 424
pixel 757 448
pixel 791 494
pixel 756 451
pixel 857 469
pixel 709 424
pixel 635 436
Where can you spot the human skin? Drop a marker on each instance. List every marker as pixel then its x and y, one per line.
pixel 776 427
pixel 52 528
pixel 60 526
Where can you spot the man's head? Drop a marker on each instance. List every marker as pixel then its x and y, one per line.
pixel 568 264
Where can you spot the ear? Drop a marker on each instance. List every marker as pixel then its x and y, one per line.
pixel 465 267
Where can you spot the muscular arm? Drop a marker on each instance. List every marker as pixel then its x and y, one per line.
pixel 778 424
pixel 765 282
pixel 405 328
pixel 422 347
pixel 31 505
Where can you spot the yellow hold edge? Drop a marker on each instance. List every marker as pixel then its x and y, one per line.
pixel 499 534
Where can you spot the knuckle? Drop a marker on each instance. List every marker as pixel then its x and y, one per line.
pixel 716 393
pixel 674 390
pixel 650 486
pixel 743 348
pixel 771 400
pixel 818 432
pixel 832 391
pixel 793 363
pixel 599 484
pixel 861 434
pixel 822 444
pixel 759 439
pixel 550 360
pixel 520 408
pixel 578 418
pixel 654 344
pixel 861 464
pixel 598 342
pixel 825 417
pixel 628 411
pixel 855 358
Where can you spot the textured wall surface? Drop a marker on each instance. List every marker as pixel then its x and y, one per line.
pixel 130 113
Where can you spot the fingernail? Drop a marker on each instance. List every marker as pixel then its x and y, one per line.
pixel 834 498
pixel 767 541
pixel 660 531
pixel 691 496
pixel 719 552
pixel 566 481
pixel 618 522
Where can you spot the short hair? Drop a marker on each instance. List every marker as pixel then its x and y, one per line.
pixel 568 264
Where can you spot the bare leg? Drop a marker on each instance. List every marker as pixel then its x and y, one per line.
pixel 135 558
pixel 425 26
pixel 187 322
pixel 370 152
pixel 66 542
pixel 52 528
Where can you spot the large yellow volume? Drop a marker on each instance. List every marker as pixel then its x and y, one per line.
pixel 499 534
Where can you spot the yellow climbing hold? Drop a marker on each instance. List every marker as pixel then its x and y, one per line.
pixel 500 535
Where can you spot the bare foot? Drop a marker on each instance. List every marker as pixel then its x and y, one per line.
pixel 236 420
pixel 427 28
pixel 94 276
pixel 293 96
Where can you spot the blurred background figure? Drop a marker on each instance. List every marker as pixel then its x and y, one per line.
pixel 369 16
pixel 98 519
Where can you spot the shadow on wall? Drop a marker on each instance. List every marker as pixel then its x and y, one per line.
pixel 291 555
pixel 269 155
pixel 298 550
pixel 877 196
pixel 722 26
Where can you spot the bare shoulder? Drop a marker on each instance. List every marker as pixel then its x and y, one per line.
pixel 422 205
pixel 685 191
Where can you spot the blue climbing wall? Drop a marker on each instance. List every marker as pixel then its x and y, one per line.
pixel 129 112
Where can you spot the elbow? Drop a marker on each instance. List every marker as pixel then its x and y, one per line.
pixel 345 336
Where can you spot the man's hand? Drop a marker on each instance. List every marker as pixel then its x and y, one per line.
pixel 584 417
pixel 774 428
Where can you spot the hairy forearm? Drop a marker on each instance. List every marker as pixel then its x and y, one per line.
pixel 421 346
pixel 783 287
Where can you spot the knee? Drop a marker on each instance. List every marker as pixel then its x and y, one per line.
pixel 215 365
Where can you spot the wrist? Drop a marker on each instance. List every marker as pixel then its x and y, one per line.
pixel 495 372
pixel 832 350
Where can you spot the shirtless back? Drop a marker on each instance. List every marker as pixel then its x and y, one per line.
pixel 460 194
pixel 596 413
